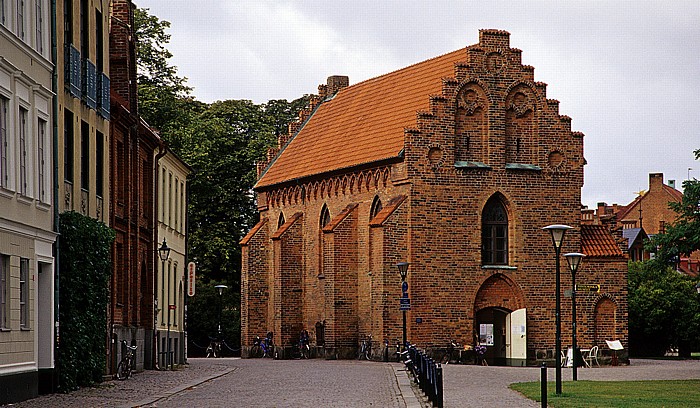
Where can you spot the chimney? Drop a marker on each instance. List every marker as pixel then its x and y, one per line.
pixel 656 181
pixel 672 184
pixel 335 83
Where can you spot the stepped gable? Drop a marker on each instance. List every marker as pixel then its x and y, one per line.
pixel 350 126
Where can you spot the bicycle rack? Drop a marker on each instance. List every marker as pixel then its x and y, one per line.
pixel 429 374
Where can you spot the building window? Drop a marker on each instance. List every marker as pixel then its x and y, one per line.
pixel 24 293
pixel 325 216
pixel 183 206
pixel 20 19
pixel 4 290
pixel 39 27
pixel 68 146
pixel 41 158
pixel 163 199
pixel 84 32
pixel 3 141
pixel 84 155
pixel 376 207
pixel 280 221
pixel 99 163
pixel 68 21
pixel 494 233
pixel 2 12
pixel 23 151
pixel 170 199
pixel 177 204
pixel 99 44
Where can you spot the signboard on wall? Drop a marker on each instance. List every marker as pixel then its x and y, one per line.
pixel 191 267
pixel 486 334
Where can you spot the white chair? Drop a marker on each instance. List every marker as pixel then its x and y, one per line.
pixel 592 356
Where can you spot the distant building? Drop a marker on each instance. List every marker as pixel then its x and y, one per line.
pixel 454 165
pixel 27 264
pixel 171 287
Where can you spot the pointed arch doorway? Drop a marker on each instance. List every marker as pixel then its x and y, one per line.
pixel 501 321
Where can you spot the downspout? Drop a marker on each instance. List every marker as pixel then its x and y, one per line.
pixel 162 150
pixel 56 269
pixel 186 228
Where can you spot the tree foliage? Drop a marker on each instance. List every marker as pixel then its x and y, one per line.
pixel 664 310
pixel 221 142
pixel 84 282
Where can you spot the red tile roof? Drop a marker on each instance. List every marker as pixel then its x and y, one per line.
pixel 363 123
pixel 597 241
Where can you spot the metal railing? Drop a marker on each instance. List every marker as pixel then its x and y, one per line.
pixel 428 375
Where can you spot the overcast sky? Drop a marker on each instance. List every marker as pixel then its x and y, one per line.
pixel 626 72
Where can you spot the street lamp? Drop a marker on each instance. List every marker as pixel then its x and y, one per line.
pixel 220 288
pixel 403 271
pixel 164 253
pixel 574 261
pixel 557 232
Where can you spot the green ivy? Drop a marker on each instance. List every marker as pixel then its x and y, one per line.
pixel 85 270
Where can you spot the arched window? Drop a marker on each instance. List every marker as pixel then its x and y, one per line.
pixel 376 207
pixel 280 221
pixel 494 233
pixel 325 217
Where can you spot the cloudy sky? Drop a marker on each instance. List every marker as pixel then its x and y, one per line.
pixel 626 72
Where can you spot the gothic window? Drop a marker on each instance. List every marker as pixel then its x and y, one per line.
pixel 280 221
pixel 494 233
pixel 376 207
pixel 325 217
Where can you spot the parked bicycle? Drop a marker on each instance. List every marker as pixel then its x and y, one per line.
pixel 263 347
pixel 128 362
pixel 449 355
pixel 214 348
pixel 365 348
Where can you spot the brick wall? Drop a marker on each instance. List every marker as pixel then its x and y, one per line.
pixel 491 133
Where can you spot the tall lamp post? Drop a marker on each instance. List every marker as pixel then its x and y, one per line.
pixel 164 253
pixel 557 232
pixel 220 288
pixel 574 261
pixel 403 271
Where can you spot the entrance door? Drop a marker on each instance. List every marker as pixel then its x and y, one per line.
pixel 516 337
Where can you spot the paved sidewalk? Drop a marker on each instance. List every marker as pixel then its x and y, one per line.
pixel 343 383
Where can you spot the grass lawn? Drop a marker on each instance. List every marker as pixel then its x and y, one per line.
pixel 617 394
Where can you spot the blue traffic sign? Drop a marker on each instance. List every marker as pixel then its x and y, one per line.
pixel 404 286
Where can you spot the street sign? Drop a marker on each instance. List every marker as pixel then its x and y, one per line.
pixel 404 301
pixel 588 288
pixel 404 286
pixel 191 267
pixel 405 307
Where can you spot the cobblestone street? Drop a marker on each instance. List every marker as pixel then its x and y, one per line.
pixel 321 383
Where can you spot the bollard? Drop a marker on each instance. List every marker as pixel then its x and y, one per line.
pixel 543 385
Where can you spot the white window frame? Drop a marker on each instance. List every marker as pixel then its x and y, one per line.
pixel 41 158
pixel 4 291
pixel 24 293
pixel 4 143
pixel 21 12
pixel 23 118
pixel 39 30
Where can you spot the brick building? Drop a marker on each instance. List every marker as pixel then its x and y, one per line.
pixel 133 146
pixel 454 165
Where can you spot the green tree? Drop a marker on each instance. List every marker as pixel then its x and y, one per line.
pixel 664 310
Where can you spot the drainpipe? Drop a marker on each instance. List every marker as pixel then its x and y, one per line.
pixel 56 269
